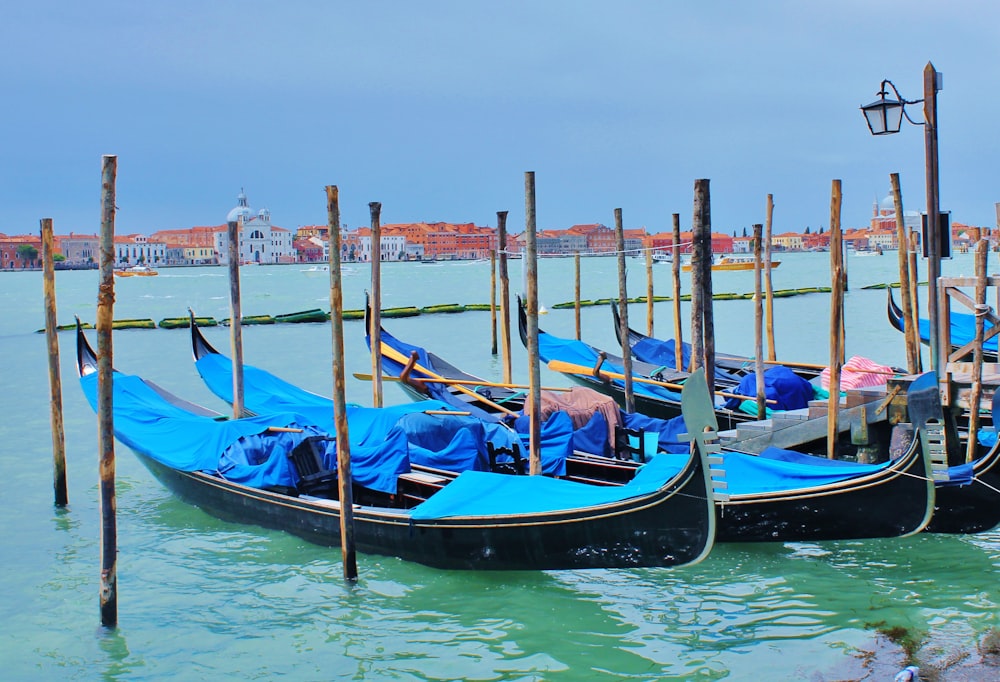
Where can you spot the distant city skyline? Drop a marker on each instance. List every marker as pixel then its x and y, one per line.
pixel 436 110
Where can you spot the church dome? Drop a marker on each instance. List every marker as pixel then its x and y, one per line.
pixel 242 209
pixel 887 204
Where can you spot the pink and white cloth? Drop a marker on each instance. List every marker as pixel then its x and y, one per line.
pixel 858 372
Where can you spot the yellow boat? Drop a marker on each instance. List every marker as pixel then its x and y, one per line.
pixel 137 271
pixel 732 262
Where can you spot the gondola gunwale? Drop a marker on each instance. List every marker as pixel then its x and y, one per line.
pixel 688 543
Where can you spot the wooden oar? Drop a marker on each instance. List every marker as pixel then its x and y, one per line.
pixel 570 368
pixel 463 382
pixel 389 351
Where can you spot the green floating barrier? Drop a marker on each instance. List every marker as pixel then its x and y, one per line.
pixel 352 315
pixel 68 327
pixel 133 324
pixel 478 306
pixel 727 296
pixel 407 311
pixel 314 315
pixel 185 322
pixel 444 308
pixel 251 319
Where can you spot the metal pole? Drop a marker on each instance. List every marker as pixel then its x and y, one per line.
pixel 236 315
pixel 55 379
pixel 623 313
pixel 105 389
pixel 344 480
pixel 375 332
pixel 531 287
pixel 938 357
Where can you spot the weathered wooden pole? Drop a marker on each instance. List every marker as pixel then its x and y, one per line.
pixel 938 353
pixel 105 389
pixel 576 293
pixel 675 267
pixel 836 321
pixel 623 313
pixel 914 321
pixel 758 324
pixel 531 293
pixel 234 227
pixel 504 296
pixel 697 290
pixel 768 284
pixel 649 292
pixel 493 301
pixel 344 478
pixel 703 212
pixel 975 395
pixel 55 378
pixel 912 335
pixel 375 319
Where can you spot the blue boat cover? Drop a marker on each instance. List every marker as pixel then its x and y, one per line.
pixel 477 493
pixel 963 330
pixel 787 389
pixel 265 392
pixel 240 450
pixel 662 352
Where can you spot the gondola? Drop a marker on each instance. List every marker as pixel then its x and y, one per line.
pixel 478 520
pixel 729 369
pixel 774 496
pixel 963 328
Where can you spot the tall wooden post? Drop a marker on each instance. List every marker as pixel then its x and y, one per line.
pixel 914 321
pixel 836 321
pixel 675 267
pixel 235 315
pixel 531 293
pixel 344 478
pixel 912 335
pixel 623 313
pixel 105 390
pixel 768 285
pixel 649 292
pixel 576 293
pixel 375 319
pixel 975 394
pixel 55 378
pixel 703 225
pixel 697 290
pixel 758 324
pixel 504 296
pixel 493 301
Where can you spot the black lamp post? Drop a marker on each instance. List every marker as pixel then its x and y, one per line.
pixel 884 117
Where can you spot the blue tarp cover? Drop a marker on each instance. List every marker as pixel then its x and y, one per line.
pixel 240 449
pixel 963 330
pixel 782 385
pixel 476 493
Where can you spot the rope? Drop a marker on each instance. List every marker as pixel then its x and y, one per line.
pixel 982 309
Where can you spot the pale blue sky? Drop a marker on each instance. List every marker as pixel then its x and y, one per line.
pixel 436 109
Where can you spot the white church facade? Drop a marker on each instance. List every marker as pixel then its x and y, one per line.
pixel 260 242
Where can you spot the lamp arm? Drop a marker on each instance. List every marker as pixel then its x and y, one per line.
pixel 903 100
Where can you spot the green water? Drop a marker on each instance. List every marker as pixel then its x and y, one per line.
pixel 203 599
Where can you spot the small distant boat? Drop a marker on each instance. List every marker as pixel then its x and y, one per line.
pixel 136 271
pixel 877 251
pixel 316 269
pixel 732 262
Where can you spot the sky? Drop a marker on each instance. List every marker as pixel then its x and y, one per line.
pixel 437 110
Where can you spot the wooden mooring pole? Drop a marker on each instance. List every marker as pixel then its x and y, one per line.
pixel 234 227
pixel 375 319
pixel 649 292
pixel 836 321
pixel 675 267
pixel 105 389
pixel 531 305
pixel 768 284
pixel 504 296
pixel 55 378
pixel 623 313
pixel 344 479
pixel 493 301
pixel 703 233
pixel 976 392
pixel 758 323
pixel 911 336
pixel 576 293
pixel 914 321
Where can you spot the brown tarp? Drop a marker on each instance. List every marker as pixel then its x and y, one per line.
pixel 580 403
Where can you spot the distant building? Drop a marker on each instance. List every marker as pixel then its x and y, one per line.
pixel 80 250
pixel 260 242
pixel 139 249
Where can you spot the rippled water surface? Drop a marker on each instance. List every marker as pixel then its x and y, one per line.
pixel 200 598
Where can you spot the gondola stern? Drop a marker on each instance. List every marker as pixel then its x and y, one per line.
pixel 86 358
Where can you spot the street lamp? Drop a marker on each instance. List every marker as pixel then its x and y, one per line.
pixel 884 117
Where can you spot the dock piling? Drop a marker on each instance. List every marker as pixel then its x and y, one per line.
pixel 55 379
pixel 623 312
pixel 236 314
pixel 375 319
pixel 531 304
pixel 504 296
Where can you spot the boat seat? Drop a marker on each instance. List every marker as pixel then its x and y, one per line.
pixel 624 448
pixel 307 459
pixel 514 452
